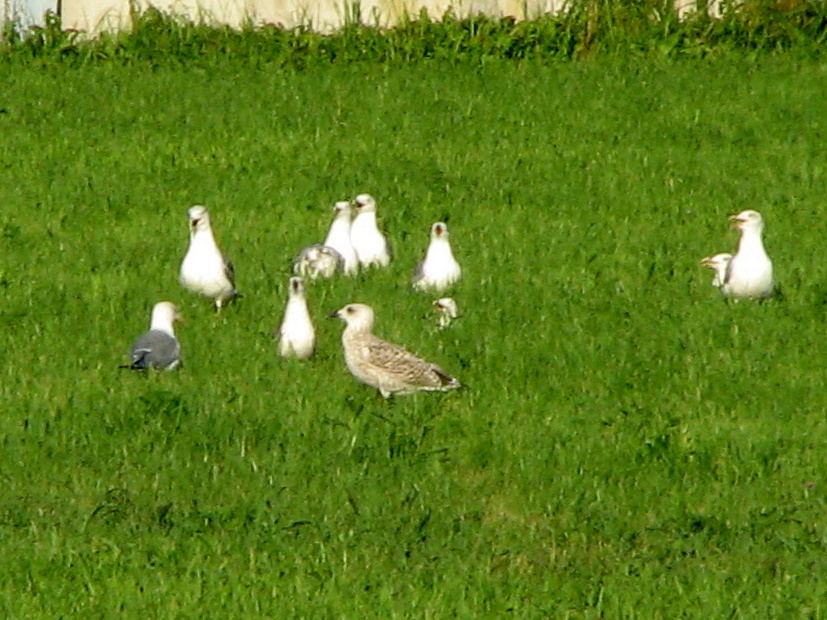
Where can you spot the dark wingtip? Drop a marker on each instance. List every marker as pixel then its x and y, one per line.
pixel 132 367
pixel 447 380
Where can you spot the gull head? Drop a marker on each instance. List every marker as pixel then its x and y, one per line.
pixel 747 220
pixel 199 218
pixel 359 317
pixel 447 306
pixel 296 287
pixel 342 208
pixel 717 261
pixel 364 203
pixel 164 314
pixel 439 230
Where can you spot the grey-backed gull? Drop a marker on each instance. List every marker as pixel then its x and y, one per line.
pixel 157 348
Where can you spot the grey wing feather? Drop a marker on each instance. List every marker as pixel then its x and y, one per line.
pixel 139 359
pixel 727 273
pixel 418 272
pixel 155 349
pixel 229 271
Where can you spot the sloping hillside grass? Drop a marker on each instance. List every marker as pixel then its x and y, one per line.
pixel 627 445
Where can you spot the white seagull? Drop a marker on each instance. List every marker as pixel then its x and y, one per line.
pixel 370 244
pixel 719 263
pixel 749 274
pixel 439 269
pixel 157 348
pixel 297 338
pixel 338 237
pixel 447 309
pixel 385 366
pixel 317 261
pixel 204 270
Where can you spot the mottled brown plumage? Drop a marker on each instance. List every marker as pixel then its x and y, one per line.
pixel 388 367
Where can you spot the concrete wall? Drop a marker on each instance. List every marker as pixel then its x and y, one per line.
pixel 25 13
pixel 321 15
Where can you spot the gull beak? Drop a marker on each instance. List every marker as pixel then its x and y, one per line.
pixel 705 261
pixel 333 315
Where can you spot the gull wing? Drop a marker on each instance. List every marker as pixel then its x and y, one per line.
pixel 410 370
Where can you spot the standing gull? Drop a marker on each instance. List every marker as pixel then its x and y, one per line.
pixel 749 274
pixel 719 263
pixel 317 261
pixel 370 244
pixel 157 348
pixel 338 237
pixel 204 270
pixel 447 309
pixel 297 338
pixel 439 269
pixel 385 366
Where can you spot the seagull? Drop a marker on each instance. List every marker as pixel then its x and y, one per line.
pixel 204 270
pixel 718 263
pixel 297 338
pixel 338 237
pixel 385 366
pixel 157 348
pixel 749 274
pixel 370 244
pixel 447 309
pixel 439 269
pixel 317 261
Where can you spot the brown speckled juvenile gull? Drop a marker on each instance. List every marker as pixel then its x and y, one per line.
pixel 385 366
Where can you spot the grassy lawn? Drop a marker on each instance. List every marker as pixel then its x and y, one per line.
pixel 627 445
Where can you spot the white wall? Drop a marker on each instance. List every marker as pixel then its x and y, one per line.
pixel 321 15
pixel 26 13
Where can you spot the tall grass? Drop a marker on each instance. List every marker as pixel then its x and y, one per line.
pixel 585 28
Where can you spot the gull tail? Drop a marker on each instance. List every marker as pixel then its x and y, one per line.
pixel 446 381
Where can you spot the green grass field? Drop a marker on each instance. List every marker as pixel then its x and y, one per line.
pixel 627 444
